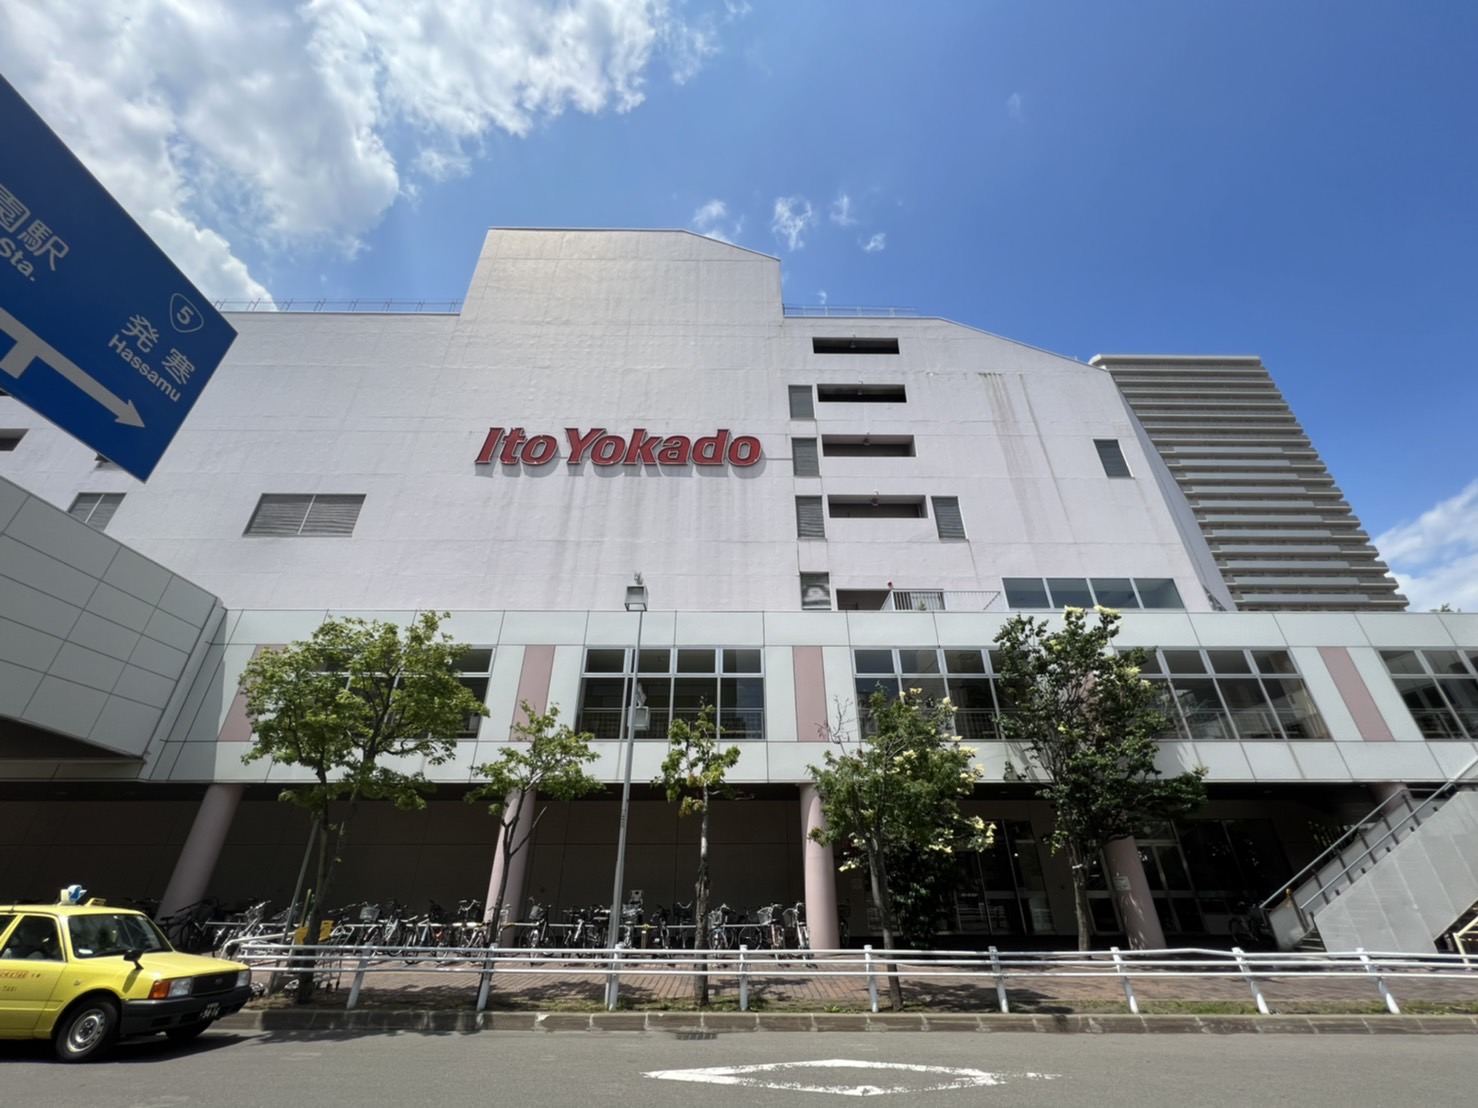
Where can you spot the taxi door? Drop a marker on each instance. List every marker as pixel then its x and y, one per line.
pixel 32 964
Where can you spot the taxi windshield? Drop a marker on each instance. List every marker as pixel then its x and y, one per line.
pixel 103 934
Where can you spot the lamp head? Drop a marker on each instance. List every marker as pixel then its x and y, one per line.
pixel 636 596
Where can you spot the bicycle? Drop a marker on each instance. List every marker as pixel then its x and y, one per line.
pixel 1249 928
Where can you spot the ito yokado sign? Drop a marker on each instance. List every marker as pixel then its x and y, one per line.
pixel 99 331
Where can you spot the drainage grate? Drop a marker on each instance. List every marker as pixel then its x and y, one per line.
pixel 694 1036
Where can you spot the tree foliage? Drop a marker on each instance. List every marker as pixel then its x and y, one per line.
pixel 359 707
pixel 1088 721
pixel 899 786
pixel 693 773
pixel 547 758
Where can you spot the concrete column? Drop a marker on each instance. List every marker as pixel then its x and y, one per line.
pixel 820 871
pixel 197 861
pixel 521 804
pixel 1384 790
pixel 1132 893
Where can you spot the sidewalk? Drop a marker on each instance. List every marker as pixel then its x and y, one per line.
pixel 798 989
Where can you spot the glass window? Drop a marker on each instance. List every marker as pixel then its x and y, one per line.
pixel 605 661
pixel 918 661
pixel 475 661
pixel 1069 592
pixel 1115 592
pixel 741 661
pixel 656 661
pixel 1446 662
pixel 1184 661
pixel 1272 661
pixel 1158 592
pixel 1228 661
pixel 695 661
pixel 1403 661
pixel 34 939
pixel 1294 708
pixel 800 402
pixel 964 661
pixel 1025 592
pixel 1112 458
pixel 873 661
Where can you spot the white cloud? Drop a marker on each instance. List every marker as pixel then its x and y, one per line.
pixel 1435 556
pixel 1013 107
pixel 793 214
pixel 298 126
pixel 712 221
pixel 841 211
pixel 821 293
pixel 874 244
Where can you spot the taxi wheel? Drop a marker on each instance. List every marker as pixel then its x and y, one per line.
pixel 87 1030
pixel 188 1033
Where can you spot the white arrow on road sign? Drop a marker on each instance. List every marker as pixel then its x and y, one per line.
pixel 30 347
pixel 907 1077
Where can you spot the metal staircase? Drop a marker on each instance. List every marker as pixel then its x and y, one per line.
pixel 1294 911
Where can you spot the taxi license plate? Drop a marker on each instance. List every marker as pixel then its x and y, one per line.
pixel 210 1011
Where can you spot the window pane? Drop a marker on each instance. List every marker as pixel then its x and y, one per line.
pixel 475 661
pixel 741 660
pixel 1446 662
pixel 1025 592
pixel 918 661
pixel 1463 694
pixel 742 703
pixel 873 661
pixel 974 710
pixel 964 661
pixel 1151 663
pixel 656 661
pixel 1201 707
pixel 866 686
pixel 1070 592
pixel 1112 458
pixel 1250 713
pixel 1228 661
pixel 1402 661
pixel 696 661
pixel 605 661
pixel 478 687
pixel 1115 592
pixel 1158 592
pixel 1184 661
pixel 1272 661
pixel 800 402
pixel 1432 715
pixel 1295 708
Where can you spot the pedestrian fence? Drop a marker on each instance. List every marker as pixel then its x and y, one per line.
pixel 331 965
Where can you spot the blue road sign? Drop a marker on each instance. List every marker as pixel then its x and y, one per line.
pixel 99 331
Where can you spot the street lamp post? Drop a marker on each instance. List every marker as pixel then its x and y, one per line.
pixel 636 601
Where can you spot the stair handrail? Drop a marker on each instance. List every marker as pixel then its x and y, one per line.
pixel 1451 785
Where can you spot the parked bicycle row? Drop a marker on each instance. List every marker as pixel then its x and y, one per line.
pixel 770 927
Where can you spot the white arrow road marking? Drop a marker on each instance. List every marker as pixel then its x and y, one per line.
pixel 30 347
pixel 945 1077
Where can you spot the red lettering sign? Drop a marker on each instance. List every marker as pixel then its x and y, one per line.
pixel 513 446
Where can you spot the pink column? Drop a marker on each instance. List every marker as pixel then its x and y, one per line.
pixel 1132 892
pixel 518 865
pixel 202 848
pixel 820 872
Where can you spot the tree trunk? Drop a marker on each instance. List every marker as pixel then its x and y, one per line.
pixel 315 914
pixel 1076 857
pixel 700 913
pixel 882 898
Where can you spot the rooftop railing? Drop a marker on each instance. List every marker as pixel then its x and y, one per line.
pixel 404 307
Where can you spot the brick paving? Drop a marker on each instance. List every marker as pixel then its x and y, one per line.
pixel 802 987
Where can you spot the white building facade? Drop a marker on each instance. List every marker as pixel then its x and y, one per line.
pixel 817 505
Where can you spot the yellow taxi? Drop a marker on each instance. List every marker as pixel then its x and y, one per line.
pixel 85 975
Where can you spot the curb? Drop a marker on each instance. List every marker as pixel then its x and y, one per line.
pixel 381 1021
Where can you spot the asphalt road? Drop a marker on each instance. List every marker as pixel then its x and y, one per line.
pixel 756 1069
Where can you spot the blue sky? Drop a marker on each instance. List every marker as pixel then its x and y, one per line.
pixel 1297 180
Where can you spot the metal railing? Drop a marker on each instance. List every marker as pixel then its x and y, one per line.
pixel 1291 910
pixel 408 307
pixel 736 724
pixel 841 311
pixel 867 967
pixel 942 600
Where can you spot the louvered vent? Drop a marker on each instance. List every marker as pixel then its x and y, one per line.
pixel 810 521
pixel 947 518
pixel 801 406
pixel 803 455
pixel 305 515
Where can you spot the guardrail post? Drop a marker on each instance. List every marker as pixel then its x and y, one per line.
pixel 995 965
pixel 485 984
pixel 872 979
pixel 1123 972
pixel 613 980
pixel 1380 982
pixel 743 977
pixel 358 980
pixel 1262 1004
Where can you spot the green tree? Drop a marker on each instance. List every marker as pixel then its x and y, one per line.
pixel 1086 718
pixel 693 772
pixel 548 759
pixel 898 787
pixel 351 706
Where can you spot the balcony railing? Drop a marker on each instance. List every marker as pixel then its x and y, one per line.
pixel 942 600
